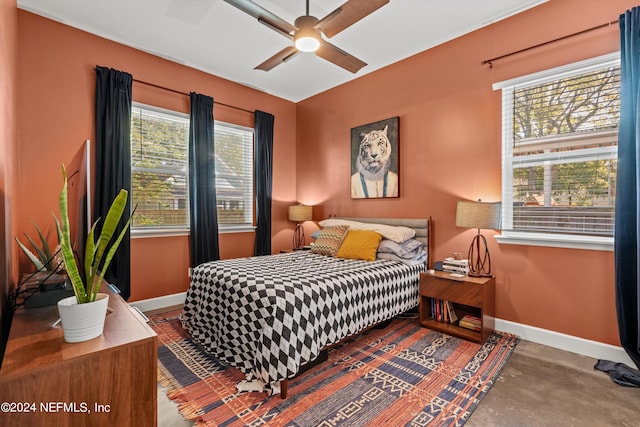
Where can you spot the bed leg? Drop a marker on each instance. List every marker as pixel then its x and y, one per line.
pixel 283 389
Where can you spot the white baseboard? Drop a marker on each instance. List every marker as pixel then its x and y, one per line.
pixel 159 302
pixel 593 349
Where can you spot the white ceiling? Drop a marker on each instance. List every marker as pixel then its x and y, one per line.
pixel 215 37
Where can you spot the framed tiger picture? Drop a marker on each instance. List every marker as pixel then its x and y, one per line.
pixel 374 160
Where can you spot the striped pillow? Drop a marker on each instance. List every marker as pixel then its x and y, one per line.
pixel 329 240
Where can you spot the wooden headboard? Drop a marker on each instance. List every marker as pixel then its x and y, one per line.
pixel 422 226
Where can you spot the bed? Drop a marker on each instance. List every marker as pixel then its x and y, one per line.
pixel 270 316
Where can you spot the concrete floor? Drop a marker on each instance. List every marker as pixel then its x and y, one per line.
pixel 540 386
pixel 544 386
pixel 168 414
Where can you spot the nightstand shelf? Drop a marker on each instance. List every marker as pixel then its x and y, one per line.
pixel 469 295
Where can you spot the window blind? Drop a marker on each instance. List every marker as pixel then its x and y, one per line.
pixel 559 152
pixel 234 175
pixel 159 169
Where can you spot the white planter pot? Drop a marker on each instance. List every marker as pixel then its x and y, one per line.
pixel 82 322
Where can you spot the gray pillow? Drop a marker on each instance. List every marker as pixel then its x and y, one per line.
pixel 407 249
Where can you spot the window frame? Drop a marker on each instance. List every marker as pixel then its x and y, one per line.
pixel 245 227
pixel 170 231
pixel 559 240
pixel 141 232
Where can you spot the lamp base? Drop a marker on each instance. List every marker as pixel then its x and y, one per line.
pixel 479 263
pixel 478 274
pixel 298 237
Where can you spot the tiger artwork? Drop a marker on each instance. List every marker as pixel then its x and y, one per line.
pixel 374 179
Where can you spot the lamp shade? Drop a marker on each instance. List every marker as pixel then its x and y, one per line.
pixel 478 215
pixel 300 213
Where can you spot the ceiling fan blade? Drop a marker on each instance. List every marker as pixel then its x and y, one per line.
pixel 347 14
pixel 283 56
pixel 339 57
pixel 264 16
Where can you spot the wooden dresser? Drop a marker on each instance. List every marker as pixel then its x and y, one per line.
pixel 107 381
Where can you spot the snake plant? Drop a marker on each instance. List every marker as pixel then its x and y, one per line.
pixel 42 258
pixel 97 256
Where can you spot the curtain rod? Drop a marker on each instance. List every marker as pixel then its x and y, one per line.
pixel 490 61
pixel 186 94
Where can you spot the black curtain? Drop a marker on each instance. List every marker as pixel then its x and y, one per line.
pixel 203 214
pixel 113 161
pixel 627 187
pixel 627 217
pixel 263 179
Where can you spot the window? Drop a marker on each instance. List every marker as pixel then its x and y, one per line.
pixel 559 141
pixel 234 176
pixel 160 172
pixel 159 169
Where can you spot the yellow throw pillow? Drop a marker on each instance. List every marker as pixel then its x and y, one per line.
pixel 360 244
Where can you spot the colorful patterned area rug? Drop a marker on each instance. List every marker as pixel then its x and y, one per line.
pixel 403 375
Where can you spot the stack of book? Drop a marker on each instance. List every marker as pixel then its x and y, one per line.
pixel 443 311
pixel 452 265
pixel 471 322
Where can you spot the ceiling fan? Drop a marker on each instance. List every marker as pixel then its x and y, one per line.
pixel 306 31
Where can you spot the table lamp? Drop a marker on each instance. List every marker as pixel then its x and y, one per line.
pixel 299 214
pixel 479 215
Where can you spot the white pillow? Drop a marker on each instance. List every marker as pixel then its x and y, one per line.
pixel 398 234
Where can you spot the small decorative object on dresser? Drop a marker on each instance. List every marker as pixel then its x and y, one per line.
pixel 469 298
pixel 96 259
pixel 82 322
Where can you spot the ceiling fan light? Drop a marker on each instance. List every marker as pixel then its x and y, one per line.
pixel 306 41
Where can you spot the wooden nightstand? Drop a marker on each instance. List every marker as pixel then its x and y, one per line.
pixel 469 295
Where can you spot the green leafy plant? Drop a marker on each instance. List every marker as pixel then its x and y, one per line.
pixel 97 256
pixel 42 259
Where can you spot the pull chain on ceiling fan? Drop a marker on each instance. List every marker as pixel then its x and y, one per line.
pixel 306 33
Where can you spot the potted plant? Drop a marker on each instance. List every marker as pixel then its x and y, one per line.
pixel 43 259
pixel 87 301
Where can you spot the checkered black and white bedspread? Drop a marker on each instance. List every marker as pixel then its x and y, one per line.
pixel 270 315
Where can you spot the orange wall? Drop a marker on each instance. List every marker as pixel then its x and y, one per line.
pixel 449 137
pixel 450 149
pixel 8 174
pixel 55 115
